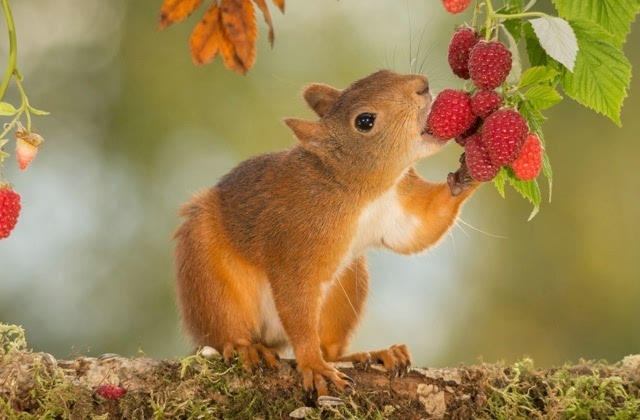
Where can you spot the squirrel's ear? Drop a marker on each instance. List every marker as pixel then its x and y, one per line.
pixel 320 97
pixel 308 133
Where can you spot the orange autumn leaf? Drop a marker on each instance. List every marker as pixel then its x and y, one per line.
pixel 280 4
pixel 208 36
pixel 262 5
pixel 173 11
pixel 238 18
pixel 228 28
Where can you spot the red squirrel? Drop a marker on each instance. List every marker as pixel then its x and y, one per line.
pixel 273 256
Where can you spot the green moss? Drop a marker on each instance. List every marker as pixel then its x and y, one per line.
pixel 572 392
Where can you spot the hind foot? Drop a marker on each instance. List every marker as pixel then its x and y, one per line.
pixel 253 356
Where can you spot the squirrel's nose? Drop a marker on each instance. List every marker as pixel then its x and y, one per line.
pixel 422 85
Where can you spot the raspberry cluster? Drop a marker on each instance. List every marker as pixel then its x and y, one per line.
pixel 492 135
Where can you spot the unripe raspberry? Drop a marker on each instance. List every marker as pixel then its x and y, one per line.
pixel 485 102
pixel 459 49
pixel 489 64
pixel 529 163
pixel 9 210
pixel 481 168
pixel 456 6
pixel 450 114
pixel 503 134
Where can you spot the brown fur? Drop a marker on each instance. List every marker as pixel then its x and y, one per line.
pixel 286 221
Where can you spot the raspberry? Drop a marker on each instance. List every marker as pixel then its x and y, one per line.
pixel 450 114
pixel 485 102
pixel 462 138
pixel 503 134
pixel 27 146
pixel 489 64
pixel 456 6
pixel 9 210
pixel 480 166
pixel 529 163
pixel 459 49
pixel 111 392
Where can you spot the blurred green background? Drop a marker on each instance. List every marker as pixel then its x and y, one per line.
pixel 136 128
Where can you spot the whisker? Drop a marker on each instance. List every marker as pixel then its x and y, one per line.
pixel 481 231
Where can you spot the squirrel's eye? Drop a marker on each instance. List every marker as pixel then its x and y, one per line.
pixel 364 122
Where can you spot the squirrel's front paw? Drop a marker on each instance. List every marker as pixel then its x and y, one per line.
pixel 315 376
pixel 460 180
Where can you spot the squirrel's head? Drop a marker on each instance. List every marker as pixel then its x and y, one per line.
pixel 376 124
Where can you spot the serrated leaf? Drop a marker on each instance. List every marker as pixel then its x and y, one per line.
pixel 500 180
pixel 528 189
pixel 536 75
pixel 35 111
pixel 537 55
pixel 548 173
pixel 516 5
pixel 7 109
pixel 615 16
pixel 602 73
pixel 514 26
pixel 557 38
pixel 543 97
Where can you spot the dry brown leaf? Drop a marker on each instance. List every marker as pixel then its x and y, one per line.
pixel 208 36
pixel 280 4
pixel 239 21
pixel 262 5
pixel 173 11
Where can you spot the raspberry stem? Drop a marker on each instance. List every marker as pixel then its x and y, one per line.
pixel 13 49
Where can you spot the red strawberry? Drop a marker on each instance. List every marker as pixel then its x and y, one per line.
pixel 9 210
pixel 485 102
pixel 459 49
pixel 450 114
pixel 489 64
pixel 503 134
pixel 111 392
pixel 480 166
pixel 462 138
pixel 456 6
pixel 529 163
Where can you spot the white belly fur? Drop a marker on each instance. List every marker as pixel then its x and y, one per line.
pixel 382 222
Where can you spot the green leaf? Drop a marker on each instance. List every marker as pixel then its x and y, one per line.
pixel 602 73
pixel 517 6
pixel 528 189
pixel 500 180
pixel 548 173
pixel 7 109
pixel 543 97
pixel 557 38
pixel 537 75
pixel 2 153
pixel 615 16
pixel 35 111
pixel 514 26
pixel 537 56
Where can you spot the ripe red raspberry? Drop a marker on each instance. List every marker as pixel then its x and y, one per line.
pixel 459 49
pixel 9 210
pixel 456 6
pixel 450 114
pixel 485 102
pixel 481 168
pixel 489 64
pixel 503 134
pixel 111 392
pixel 529 163
pixel 462 138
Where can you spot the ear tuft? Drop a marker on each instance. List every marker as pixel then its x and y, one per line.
pixel 320 97
pixel 308 133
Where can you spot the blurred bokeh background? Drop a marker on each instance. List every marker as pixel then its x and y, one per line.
pixel 136 128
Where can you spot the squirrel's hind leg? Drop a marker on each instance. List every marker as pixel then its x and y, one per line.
pixel 218 290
